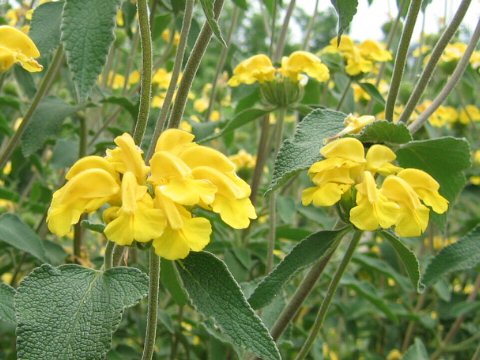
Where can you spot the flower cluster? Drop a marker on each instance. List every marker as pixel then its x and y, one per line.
pixel 154 202
pixel 17 47
pixel 360 59
pixel 403 200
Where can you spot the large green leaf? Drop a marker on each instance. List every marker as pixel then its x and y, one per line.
pixel 87 33
pixel 385 132
pixel 19 235
pixel 46 123
pixel 303 149
pixel 7 309
pixel 45 27
pixel 444 158
pixel 214 292
pixel 408 259
pixel 462 255
pixel 346 9
pixel 71 312
pixel 416 352
pixel 305 253
pixel 207 6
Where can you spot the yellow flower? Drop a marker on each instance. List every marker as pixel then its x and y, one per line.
pixel 256 68
pixel 16 47
pixel 357 63
pixel 475 60
pixel 374 51
pixel 476 157
pixel 474 180
pixel 379 160
pixel 166 36
pixel 162 78
pixel 453 52
pixel 136 219
pixel 243 160
pixel 469 113
pixel 443 115
pixel 200 105
pixel 373 208
pixel 413 215
pixel 355 124
pixel 300 62
pixel 395 354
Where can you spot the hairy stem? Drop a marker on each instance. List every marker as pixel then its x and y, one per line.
pixel 332 288
pixel 344 94
pixel 41 92
pixel 401 58
pixel 311 23
pixel 434 58
pixel 146 80
pixel 283 32
pixel 451 83
pixel 108 258
pixel 262 154
pixel 191 68
pixel 177 68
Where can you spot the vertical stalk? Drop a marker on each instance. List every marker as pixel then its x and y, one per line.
pixel 283 32
pixel 434 58
pixel 344 94
pixel 262 154
pixel 332 288
pixel 311 23
pixel 191 68
pixel 146 80
pixel 41 92
pixel 177 67
pixel 108 258
pixel 401 58
pixel 154 283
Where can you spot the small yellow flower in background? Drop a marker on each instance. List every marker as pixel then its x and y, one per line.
pixel 243 160
pixel 394 354
pixel 17 47
pixel 474 180
pixel 166 36
pixel 421 50
pixel 116 81
pixel 162 78
pixel 403 201
pixel 154 203
pixel 453 52
pixel 475 60
pixel 200 105
pixel 375 51
pixel 444 115
pixel 468 114
pixel 476 157
pixel 12 17
pixel 258 68
pixel 119 18
pixel 302 62
pixel 134 77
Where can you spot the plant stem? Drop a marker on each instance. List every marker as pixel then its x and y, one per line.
pixel 451 83
pixel 401 58
pixel 344 94
pixel 177 68
pixel 221 62
pixel 311 23
pixel 283 32
pixel 108 258
pixel 191 68
pixel 434 58
pixel 41 92
pixel 146 80
pixel 332 288
pixel 154 283
pixel 412 323
pixel 262 155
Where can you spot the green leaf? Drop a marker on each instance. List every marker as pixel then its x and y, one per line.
pixel 7 309
pixel 373 92
pixel 462 255
pixel 408 259
pixel 65 153
pixel 305 253
pixel 16 233
pixel 123 102
pixel 215 293
pixel 242 4
pixel 170 279
pixel 87 33
pixel 95 227
pixel 46 123
pixel 240 119
pixel 369 292
pixel 385 132
pixel 443 158
pixel 45 27
pixel 346 9
pixel 416 352
pixel 304 149
pixel 10 101
pixel 207 6
pixel 72 312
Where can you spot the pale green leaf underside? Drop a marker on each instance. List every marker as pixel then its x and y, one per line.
pixel 71 312
pixel 87 33
pixel 214 292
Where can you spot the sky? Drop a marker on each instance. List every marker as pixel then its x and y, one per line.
pixel 380 11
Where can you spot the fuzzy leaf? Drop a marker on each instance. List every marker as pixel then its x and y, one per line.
pixel 87 33
pixel 214 292
pixel 7 309
pixel 385 132
pixel 45 28
pixel 346 9
pixel 71 312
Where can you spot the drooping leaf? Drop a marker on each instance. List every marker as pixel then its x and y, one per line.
pixel 305 253
pixel 207 6
pixel 443 158
pixel 7 308
pixel 408 258
pixel 462 255
pixel 385 132
pixel 416 352
pixel 214 292
pixel 46 123
pixel 87 33
pixel 16 233
pixel 301 151
pixel 45 26
pixel 373 92
pixel 346 9
pixel 72 312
